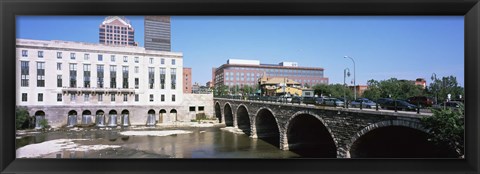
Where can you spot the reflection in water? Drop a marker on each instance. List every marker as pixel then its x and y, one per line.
pixel 202 143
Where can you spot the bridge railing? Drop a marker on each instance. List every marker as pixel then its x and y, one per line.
pixel 300 101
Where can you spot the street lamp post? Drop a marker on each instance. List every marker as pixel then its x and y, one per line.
pixel 434 79
pixel 354 84
pixel 346 72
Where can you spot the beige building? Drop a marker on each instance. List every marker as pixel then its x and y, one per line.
pixel 272 86
pixel 72 83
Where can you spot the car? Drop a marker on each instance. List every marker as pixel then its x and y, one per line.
pixel 401 105
pixel 284 98
pixel 296 99
pixel 309 100
pixel 422 100
pixel 333 102
pixel 382 101
pixel 448 104
pixel 365 102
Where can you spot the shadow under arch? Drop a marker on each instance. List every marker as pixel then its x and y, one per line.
pixel 267 127
pixel 243 119
pixel 227 109
pixel 396 139
pixel 218 112
pixel 309 136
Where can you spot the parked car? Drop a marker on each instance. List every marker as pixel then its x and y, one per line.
pixel 422 100
pixel 365 102
pixel 401 105
pixel 382 101
pixel 309 100
pixel 296 99
pixel 333 102
pixel 449 104
pixel 284 98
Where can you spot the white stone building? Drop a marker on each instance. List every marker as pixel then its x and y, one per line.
pixel 72 83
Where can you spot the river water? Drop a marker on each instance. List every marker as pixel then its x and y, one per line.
pixel 187 142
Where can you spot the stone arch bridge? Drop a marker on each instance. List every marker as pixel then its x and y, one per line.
pixel 316 131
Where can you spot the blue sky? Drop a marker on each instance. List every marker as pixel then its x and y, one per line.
pixel 404 47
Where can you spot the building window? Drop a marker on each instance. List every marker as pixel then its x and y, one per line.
pixel 73 75
pixel 136 83
pixel 59 55
pixel 59 97
pixel 136 69
pixel 100 97
pixel 162 78
pixel 40 97
pixel 59 66
pixel 86 75
pixel 151 60
pixel 136 97
pixel 24 97
pixel 40 74
pixel 113 76
pixel 151 77
pixel 86 56
pixel 173 61
pixel 125 76
pixel 24 73
pixel 72 56
pixel 173 74
pixel 112 97
pixel 40 54
pixel 112 58
pixel 201 108
pixel 136 59
pixel 100 74
pixel 24 53
pixel 192 108
pixel 125 97
pixel 73 97
pixel 151 97
pixel 86 97
pixel 100 57
pixel 173 97
pixel 59 80
pixel 162 61
pixel 125 58
pixel 162 97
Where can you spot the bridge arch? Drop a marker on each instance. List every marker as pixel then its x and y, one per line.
pixel 309 136
pixel 243 119
pixel 218 112
pixel 266 126
pixel 228 113
pixel 397 139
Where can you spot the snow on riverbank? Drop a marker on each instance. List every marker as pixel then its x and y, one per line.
pixel 53 146
pixel 155 133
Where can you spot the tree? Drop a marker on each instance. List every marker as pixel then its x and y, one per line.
pixel 373 91
pixel 332 90
pixel 221 90
pixel 446 85
pixel 446 126
pixel 21 117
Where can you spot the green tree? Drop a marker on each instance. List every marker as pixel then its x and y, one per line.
pixel 332 90
pixel 446 126
pixel 446 85
pixel 21 117
pixel 221 90
pixel 373 91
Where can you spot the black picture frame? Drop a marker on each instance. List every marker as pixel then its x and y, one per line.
pixel 470 9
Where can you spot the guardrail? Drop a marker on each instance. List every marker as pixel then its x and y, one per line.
pixel 282 100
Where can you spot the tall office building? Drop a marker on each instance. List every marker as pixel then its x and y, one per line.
pixel 157 33
pixel 116 30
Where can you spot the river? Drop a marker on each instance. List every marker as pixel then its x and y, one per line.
pixel 141 142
